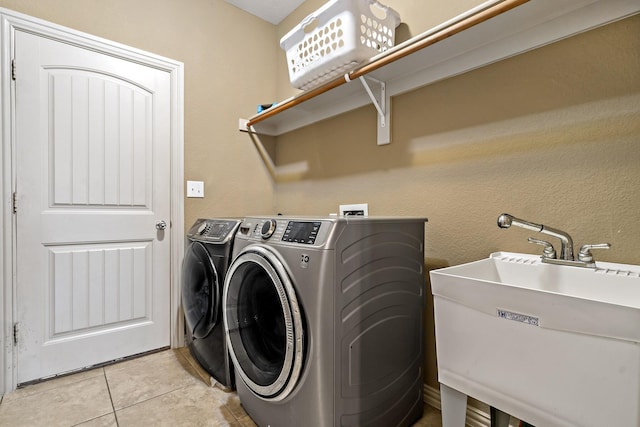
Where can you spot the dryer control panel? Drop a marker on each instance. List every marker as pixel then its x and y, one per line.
pixel 301 232
pixel 213 230
pixel 311 232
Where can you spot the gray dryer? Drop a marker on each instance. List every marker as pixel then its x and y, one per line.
pixel 206 259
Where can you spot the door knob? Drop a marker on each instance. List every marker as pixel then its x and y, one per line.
pixel 161 225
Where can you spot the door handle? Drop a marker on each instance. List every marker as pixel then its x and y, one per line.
pixel 161 225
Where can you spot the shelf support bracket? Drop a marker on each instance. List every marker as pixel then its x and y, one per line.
pixel 384 109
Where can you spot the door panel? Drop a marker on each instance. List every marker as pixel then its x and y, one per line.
pixel 95 121
pixel 264 323
pixel 92 287
pixel 93 178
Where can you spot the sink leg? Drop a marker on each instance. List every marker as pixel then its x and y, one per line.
pixel 454 407
pixel 499 418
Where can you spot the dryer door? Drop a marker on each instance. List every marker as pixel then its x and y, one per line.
pixel 200 291
pixel 264 323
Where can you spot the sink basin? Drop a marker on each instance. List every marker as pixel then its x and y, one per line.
pixel 552 345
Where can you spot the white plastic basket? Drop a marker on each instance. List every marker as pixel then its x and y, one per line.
pixel 336 38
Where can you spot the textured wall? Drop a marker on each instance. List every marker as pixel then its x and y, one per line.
pixel 552 136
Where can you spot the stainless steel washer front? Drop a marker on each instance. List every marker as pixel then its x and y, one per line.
pixel 264 323
pixel 324 320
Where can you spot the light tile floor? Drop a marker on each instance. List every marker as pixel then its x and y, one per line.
pixel 167 388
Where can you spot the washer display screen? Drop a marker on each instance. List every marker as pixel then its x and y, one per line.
pixel 301 232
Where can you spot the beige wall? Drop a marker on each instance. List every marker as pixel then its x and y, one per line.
pixel 229 64
pixel 552 136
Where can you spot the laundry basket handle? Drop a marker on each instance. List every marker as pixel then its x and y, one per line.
pixel 381 11
pixel 309 23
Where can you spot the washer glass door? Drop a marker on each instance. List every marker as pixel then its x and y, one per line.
pixel 200 291
pixel 263 323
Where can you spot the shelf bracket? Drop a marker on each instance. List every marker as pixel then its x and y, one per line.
pixel 284 172
pixel 384 109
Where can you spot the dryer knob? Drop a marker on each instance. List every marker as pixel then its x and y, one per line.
pixel 202 228
pixel 268 228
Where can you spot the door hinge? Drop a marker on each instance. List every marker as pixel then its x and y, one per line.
pixel 15 202
pixel 13 69
pixel 15 333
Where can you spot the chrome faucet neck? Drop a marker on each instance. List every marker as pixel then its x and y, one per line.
pixel 566 253
pixel 566 249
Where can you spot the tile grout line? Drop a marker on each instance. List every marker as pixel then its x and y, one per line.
pixel 179 356
pixel 149 398
pixel 106 380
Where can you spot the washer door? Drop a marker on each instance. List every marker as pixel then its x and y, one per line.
pixel 264 323
pixel 200 291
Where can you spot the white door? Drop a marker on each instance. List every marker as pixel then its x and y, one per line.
pixel 93 180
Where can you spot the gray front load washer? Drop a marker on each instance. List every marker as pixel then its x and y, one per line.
pixel 324 320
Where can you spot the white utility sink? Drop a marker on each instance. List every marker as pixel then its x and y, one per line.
pixel 552 345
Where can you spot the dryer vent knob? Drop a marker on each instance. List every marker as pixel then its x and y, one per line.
pixel 268 228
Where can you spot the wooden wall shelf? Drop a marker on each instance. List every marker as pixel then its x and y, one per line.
pixel 496 30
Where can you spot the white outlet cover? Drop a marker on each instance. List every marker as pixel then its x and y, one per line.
pixel 195 189
pixel 353 208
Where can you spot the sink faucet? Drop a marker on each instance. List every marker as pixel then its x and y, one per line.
pixel 566 253
pixel 585 258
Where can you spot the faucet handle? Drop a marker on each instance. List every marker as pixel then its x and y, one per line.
pixel 549 251
pixel 585 254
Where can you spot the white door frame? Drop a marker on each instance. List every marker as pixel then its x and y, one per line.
pixel 9 22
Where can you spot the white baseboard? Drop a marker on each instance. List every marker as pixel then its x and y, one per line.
pixel 476 417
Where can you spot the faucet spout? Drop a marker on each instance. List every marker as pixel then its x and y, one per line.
pixel 505 221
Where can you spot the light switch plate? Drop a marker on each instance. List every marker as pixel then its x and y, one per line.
pixel 195 189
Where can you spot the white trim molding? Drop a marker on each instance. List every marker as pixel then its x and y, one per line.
pixel 11 21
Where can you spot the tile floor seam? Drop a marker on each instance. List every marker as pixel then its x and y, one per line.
pixel 91 419
pixel 50 380
pixel 148 399
pixel 115 414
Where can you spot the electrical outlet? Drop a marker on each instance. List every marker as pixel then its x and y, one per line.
pixel 361 209
pixel 195 189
